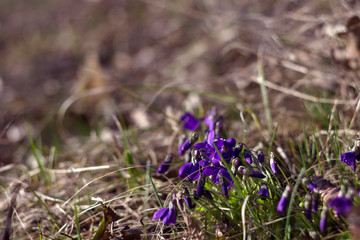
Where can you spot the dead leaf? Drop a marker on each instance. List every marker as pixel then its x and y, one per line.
pixel 349 56
pixel 131 233
pixel 105 236
pixel 326 189
pixel 109 214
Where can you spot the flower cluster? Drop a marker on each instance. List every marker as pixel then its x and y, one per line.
pixel 215 156
pixel 213 160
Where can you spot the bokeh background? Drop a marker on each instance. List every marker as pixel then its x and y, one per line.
pixel 53 50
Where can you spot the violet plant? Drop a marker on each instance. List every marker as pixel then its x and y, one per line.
pixel 223 171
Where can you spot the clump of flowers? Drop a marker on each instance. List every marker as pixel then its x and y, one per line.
pixel 214 164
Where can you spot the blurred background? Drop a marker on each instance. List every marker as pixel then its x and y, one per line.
pixel 70 65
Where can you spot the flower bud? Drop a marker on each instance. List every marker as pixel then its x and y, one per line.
pixel 309 184
pixel 264 191
pixel 260 156
pixel 307 204
pixel 164 166
pixel 190 122
pixel 237 150
pixel 187 198
pixel 200 186
pixel 182 140
pixel 273 164
pixel 284 201
pixel 235 165
pixel 315 202
pixel 323 219
pixel 251 173
pixel 247 156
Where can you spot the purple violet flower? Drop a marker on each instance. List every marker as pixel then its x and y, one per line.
pixel 192 170
pixel 307 205
pixel 260 156
pixel 205 148
pixel 190 122
pixel 226 149
pixel 350 159
pixel 323 220
pixel 248 157
pixel 264 191
pixel 167 215
pixel 211 118
pixel 164 166
pixel 284 201
pixel 341 205
pixel 251 173
pixel 273 164
pixel 214 172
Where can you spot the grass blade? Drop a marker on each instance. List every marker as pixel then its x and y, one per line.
pixel 38 160
pixel 77 222
pixel 155 191
pixel 100 230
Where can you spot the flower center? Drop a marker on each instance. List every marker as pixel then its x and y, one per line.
pixel 225 149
